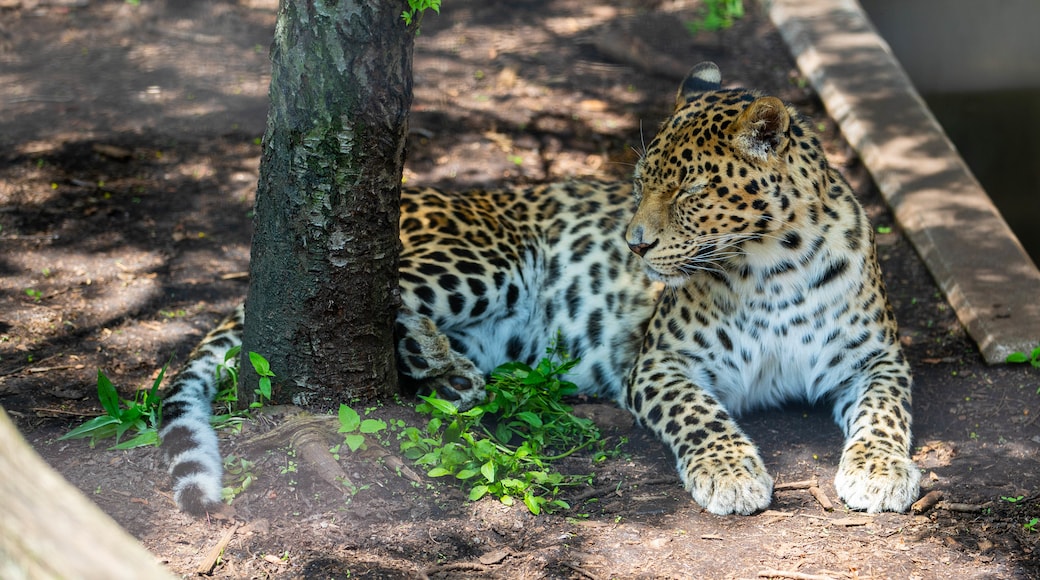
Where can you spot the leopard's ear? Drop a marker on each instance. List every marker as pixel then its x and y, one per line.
pixel 703 77
pixel 761 129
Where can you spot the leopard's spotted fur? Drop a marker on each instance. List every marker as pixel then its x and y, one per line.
pixel 771 292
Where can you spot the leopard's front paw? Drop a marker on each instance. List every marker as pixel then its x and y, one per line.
pixel 464 387
pixel 732 485
pixel 874 483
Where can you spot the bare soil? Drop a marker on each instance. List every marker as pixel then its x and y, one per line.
pixel 128 161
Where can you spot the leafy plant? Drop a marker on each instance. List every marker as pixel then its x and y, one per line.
pixel 1031 525
pixel 355 428
pixel 716 15
pixel 417 7
pixel 505 446
pixel 141 415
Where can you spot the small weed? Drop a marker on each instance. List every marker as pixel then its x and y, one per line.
pixel 35 294
pixel 1033 357
pixel 1012 499
pixel 263 369
pixel 716 15
pixel 1031 525
pixel 355 429
pixel 142 415
pixel 242 471
pixel 417 7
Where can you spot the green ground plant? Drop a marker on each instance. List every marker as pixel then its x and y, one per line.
pixel 505 446
pixel 140 416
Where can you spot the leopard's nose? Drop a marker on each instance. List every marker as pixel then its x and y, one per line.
pixel 637 244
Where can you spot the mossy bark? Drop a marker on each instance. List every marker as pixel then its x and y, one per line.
pixel 323 287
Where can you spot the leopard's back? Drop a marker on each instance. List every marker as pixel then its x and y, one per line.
pixel 501 272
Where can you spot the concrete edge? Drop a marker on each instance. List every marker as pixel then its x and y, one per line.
pixel 974 257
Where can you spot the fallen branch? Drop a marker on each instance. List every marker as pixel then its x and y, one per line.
pixel 206 566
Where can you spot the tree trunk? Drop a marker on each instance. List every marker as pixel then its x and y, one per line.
pixel 323 277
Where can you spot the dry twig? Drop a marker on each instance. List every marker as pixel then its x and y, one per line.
pixel 804 484
pixel 927 502
pixel 207 564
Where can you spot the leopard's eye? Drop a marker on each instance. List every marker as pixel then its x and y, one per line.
pixel 690 191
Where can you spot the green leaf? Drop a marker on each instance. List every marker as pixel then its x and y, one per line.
pixel 533 503
pixel 467 473
pixel 488 471
pixel 354 442
pixel 260 365
pixel 372 426
pixel 265 387
pixel 87 429
pixel 477 492
pixel 530 418
pixel 1015 357
pixel 107 394
pixel 349 420
pixel 445 407
pixel 438 472
pixel 149 437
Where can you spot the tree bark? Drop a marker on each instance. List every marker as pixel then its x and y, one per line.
pixel 323 289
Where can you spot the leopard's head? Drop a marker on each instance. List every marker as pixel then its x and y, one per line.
pixel 728 168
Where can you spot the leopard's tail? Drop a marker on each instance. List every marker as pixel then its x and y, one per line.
pixel 188 439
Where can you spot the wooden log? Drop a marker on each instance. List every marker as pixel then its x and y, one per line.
pixel 48 529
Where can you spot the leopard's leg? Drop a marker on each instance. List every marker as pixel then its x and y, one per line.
pixel 425 356
pixel 875 472
pixel 717 462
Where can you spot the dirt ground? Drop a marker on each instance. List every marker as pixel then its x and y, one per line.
pixel 128 161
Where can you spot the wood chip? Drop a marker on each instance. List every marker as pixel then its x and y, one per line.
pixel 792 574
pixel 851 522
pixel 494 557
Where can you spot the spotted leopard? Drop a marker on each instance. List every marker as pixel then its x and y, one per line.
pixel 736 272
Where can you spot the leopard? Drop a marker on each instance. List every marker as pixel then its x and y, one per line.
pixel 736 271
